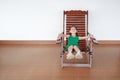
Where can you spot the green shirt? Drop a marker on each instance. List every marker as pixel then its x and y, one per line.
pixel 72 41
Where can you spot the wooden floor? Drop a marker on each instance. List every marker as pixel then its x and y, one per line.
pixel 42 62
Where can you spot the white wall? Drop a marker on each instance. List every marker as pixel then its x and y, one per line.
pixel 43 19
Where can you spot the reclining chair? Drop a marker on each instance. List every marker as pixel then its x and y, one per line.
pixel 79 19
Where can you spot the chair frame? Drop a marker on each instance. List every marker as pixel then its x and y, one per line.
pixel 88 42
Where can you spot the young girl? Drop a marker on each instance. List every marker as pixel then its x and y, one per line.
pixel 73 40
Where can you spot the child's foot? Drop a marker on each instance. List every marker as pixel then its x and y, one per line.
pixel 70 56
pixel 78 55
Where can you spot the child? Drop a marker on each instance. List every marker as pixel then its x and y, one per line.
pixel 73 40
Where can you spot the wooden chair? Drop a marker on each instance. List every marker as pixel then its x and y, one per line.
pixel 79 19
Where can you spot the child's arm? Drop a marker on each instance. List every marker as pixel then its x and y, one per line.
pixel 82 38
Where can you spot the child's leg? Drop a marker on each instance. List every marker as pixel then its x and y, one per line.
pixel 78 54
pixel 70 54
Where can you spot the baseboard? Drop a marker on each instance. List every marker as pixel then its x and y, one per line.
pixel 27 42
pixel 50 42
pixel 109 41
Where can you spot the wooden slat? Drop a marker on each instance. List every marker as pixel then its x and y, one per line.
pixel 78 25
pixel 75 12
pixel 75 23
pixel 76 19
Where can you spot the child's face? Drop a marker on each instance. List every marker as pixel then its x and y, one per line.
pixel 73 30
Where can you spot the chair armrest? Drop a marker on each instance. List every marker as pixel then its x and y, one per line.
pixel 58 41
pixel 93 39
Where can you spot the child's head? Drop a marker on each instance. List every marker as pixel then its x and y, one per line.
pixel 73 30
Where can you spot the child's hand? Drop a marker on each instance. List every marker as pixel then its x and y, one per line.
pixel 88 37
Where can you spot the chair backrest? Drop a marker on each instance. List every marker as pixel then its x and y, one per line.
pixel 79 19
